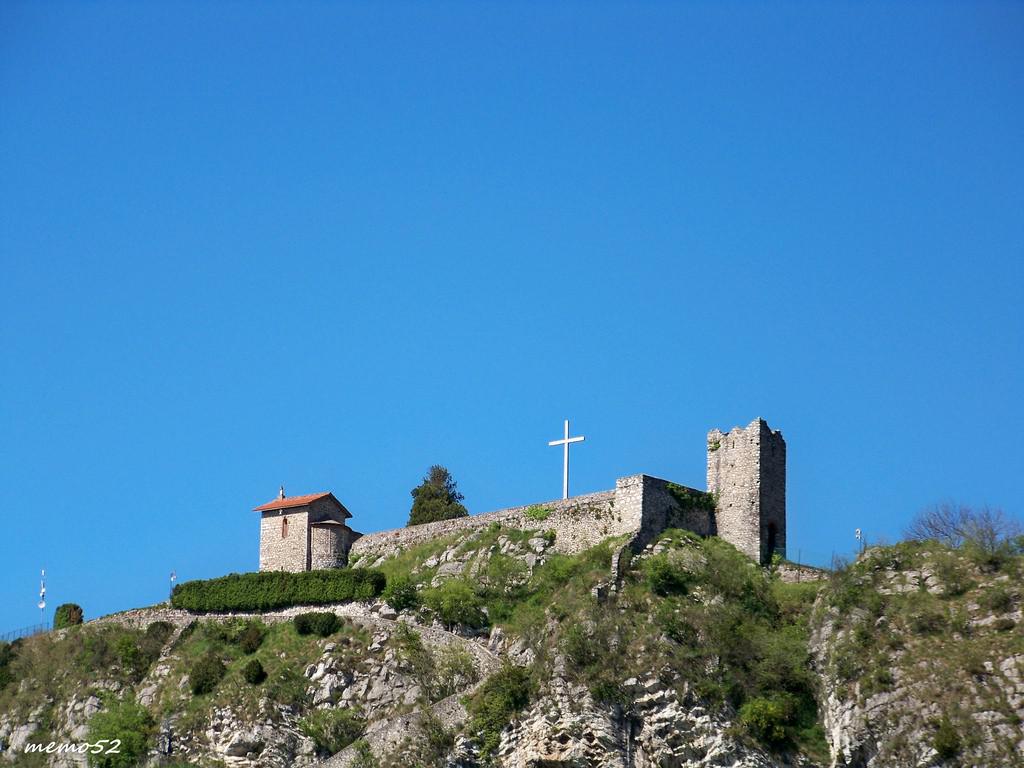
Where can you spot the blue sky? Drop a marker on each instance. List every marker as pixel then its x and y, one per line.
pixel 329 244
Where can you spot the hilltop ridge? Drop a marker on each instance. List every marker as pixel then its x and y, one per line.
pixel 489 647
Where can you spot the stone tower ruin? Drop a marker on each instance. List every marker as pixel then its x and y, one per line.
pixel 747 471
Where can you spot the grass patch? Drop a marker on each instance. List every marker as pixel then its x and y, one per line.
pixel 537 512
pixel 333 729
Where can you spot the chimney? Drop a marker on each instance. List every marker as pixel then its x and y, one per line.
pixel 280 493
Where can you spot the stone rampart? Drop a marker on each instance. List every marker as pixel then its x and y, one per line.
pixel 640 507
pixel 578 523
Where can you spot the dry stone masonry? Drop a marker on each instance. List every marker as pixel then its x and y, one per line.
pixel 746 475
pixel 303 533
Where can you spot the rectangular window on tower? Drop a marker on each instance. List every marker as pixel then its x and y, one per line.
pixel 284 528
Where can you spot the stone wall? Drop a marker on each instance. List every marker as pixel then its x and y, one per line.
pixel 747 469
pixel 773 493
pixel 794 573
pixel 324 509
pixel 287 553
pixel 578 523
pixel 327 546
pixel 640 507
pixel 661 510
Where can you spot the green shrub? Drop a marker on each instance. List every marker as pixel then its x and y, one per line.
pixel 67 615
pixel 128 723
pixel 996 599
pixel 846 588
pixel 946 740
pixel 955 579
pixel 206 673
pixel 689 499
pixel 253 672
pixel 883 678
pixel 927 621
pixel 537 512
pixel 434 747
pixel 251 637
pixel 268 590
pixel 8 652
pixel 503 695
pixel 135 652
pixel 991 556
pixel 322 623
pixel 130 656
pixel 847 663
pixel 606 690
pixel 455 604
pixel 159 631
pixel 666 577
pixel 415 657
pixel 1004 624
pixel 401 593
pixel 333 729
pixel 454 670
pixel 364 755
pixel 503 576
pixel 580 649
pixel 674 623
pixel 766 719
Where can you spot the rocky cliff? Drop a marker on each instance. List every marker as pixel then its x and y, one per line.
pixel 491 648
pixel 921 658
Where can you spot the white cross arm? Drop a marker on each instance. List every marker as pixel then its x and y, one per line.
pixel 569 440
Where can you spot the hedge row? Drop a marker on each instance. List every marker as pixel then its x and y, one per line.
pixel 268 590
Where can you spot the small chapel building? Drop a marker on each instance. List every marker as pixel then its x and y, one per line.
pixel 304 533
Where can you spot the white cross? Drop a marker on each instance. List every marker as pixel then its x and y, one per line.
pixel 565 462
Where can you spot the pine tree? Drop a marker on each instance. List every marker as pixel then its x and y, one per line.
pixel 436 498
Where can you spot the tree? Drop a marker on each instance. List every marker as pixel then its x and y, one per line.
pixel 67 615
pixel 988 535
pixel 436 498
pixel 956 525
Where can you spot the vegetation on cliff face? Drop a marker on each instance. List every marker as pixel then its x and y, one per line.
pixel 41 670
pixel 127 723
pixel 692 614
pixel 696 612
pixel 695 609
pixel 927 633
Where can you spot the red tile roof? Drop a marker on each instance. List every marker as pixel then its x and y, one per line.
pixel 289 502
